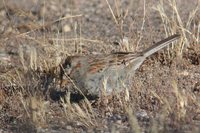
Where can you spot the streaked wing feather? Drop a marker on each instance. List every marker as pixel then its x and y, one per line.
pixel 114 59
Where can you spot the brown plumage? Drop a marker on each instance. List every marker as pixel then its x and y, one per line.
pixel 117 69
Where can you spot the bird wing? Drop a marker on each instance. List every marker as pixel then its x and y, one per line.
pixel 100 63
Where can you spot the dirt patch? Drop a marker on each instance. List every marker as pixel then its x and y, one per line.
pixel 36 36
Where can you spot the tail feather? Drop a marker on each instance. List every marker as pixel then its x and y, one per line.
pixel 159 45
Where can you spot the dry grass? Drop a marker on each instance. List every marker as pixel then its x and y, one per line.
pixel 160 89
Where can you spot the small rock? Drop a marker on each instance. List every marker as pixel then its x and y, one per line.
pixel 66 28
pixel 69 127
pixel 142 115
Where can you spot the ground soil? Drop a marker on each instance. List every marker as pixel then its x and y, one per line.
pixel 36 36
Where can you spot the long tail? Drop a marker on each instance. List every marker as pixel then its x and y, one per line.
pixel 159 45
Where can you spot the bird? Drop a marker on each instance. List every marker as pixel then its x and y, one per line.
pixel 113 72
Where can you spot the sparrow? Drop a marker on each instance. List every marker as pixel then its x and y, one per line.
pixel 94 74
